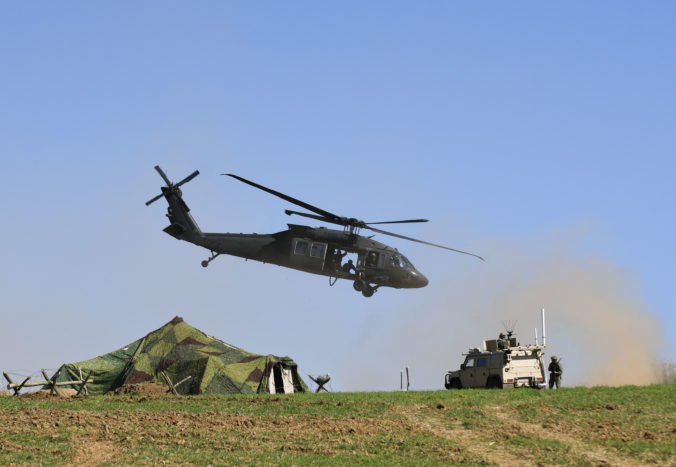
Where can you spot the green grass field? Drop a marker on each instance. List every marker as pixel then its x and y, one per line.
pixel 583 426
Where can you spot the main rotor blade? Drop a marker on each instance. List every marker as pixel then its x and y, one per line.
pixel 148 203
pixel 188 178
pixel 422 241
pixel 397 222
pixel 288 212
pixel 163 175
pixel 298 202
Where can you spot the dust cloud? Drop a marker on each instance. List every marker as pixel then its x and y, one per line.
pixel 596 322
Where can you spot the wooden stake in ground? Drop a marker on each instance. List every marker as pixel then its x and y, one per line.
pixel 172 387
pixel 12 385
pixel 86 392
pixel 51 383
pixel 83 386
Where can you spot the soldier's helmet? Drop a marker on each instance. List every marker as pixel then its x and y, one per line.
pixel 502 335
pixel 555 358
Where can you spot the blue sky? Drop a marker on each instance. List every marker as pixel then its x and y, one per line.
pixel 525 132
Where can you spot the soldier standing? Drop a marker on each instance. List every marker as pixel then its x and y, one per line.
pixel 338 256
pixel 555 372
pixel 503 342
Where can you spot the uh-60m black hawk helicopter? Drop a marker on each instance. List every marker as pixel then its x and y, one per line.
pixel 316 250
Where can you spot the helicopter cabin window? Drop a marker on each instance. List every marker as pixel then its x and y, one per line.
pixel 372 259
pixel 308 248
pixel 302 247
pixel 481 362
pixel 317 250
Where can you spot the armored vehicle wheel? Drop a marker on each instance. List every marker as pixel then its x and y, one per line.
pixel 368 291
pixel 494 383
pixel 358 285
pixel 454 384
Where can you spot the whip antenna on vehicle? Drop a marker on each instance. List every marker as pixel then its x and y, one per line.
pixel 509 327
pixel 544 341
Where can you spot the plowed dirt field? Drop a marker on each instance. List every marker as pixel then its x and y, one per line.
pixel 583 426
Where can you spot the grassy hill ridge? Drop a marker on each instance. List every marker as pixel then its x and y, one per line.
pixel 620 426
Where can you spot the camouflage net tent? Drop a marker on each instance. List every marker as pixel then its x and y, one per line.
pixel 181 350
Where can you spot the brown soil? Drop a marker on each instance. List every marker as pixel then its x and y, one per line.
pixel 93 451
pixel 45 394
pixel 100 438
pixel 104 437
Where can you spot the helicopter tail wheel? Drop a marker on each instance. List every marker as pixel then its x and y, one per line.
pixel 368 291
pixel 358 285
pixel 213 256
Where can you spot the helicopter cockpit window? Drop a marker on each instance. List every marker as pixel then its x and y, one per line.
pixel 406 262
pixel 396 261
pixel 301 247
pixel 317 250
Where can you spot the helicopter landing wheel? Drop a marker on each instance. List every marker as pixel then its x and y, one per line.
pixel 213 256
pixel 358 285
pixel 368 291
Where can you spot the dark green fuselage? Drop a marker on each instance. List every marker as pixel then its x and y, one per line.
pixel 308 249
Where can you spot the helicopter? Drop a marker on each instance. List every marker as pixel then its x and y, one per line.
pixel 315 250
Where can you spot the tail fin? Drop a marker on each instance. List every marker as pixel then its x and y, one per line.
pixel 182 223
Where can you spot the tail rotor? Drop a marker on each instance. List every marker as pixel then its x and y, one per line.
pixel 171 187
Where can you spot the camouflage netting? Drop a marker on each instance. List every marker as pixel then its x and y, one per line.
pixel 180 350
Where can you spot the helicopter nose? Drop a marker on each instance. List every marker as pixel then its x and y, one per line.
pixel 418 279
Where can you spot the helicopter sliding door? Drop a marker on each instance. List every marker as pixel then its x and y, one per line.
pixel 308 255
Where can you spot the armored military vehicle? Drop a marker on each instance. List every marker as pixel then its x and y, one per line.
pixel 503 363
